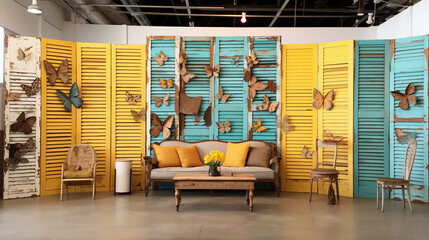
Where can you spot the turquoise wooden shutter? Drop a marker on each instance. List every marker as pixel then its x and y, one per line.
pixel 371 124
pixel 410 65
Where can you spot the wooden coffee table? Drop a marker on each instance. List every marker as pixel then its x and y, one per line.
pixel 224 182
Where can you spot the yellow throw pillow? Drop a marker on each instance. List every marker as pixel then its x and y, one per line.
pixel 167 156
pixel 189 156
pixel 236 154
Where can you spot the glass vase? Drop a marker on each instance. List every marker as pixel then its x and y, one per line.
pixel 214 170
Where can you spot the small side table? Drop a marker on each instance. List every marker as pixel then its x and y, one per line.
pixel 123 177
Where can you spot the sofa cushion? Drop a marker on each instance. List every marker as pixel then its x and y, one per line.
pixel 169 172
pixel 259 157
pixel 189 156
pixel 167 156
pixel 236 154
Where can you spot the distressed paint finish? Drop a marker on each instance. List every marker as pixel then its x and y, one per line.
pixel 371 124
pixel 127 136
pixel 24 181
pixel 409 64
pixel 336 72
pixel 299 71
pixel 58 131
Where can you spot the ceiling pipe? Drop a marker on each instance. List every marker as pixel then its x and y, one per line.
pixel 191 23
pixel 92 13
pixel 279 12
pixel 140 17
pixel 73 10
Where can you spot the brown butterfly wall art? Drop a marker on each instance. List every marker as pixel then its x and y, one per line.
pixel 161 59
pixel 286 125
pixel 406 97
pixel 61 72
pixel 305 153
pixel 236 61
pixel 29 145
pixel 185 74
pixel 132 99
pixel 328 137
pixel 254 86
pixel 165 83
pixel 221 96
pixel 160 126
pixel 251 60
pixel 323 101
pixel 266 105
pixel 23 124
pixel 224 128
pixel 139 116
pixel 159 101
pixel 212 71
pixel 22 55
pixel 33 89
pixel 15 160
pixel 404 138
pixel 257 127
pixel 13 96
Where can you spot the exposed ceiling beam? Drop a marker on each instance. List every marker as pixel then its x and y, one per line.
pixel 279 12
pixel 141 18
pixel 73 10
pixel 191 23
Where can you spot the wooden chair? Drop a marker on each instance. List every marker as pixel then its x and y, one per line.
pixel 79 168
pixel 322 173
pixel 400 183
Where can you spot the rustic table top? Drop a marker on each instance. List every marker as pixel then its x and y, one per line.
pixel 205 177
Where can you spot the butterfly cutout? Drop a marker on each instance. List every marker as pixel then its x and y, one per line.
pixel 221 96
pixel 325 101
pixel 236 61
pixel 33 89
pixel 13 162
pixel 61 72
pixel 165 83
pixel 208 116
pixel 161 59
pixel 29 145
pixel 404 138
pixel 255 86
pixel 132 99
pixel 223 128
pixel 72 98
pixel 182 57
pixel 159 101
pixel 286 125
pixel 271 86
pixel 404 98
pixel 23 56
pixel 305 153
pixel 13 96
pixel 212 71
pixel 186 76
pixel 328 137
pixel 258 126
pixel 139 116
pixel 23 124
pixel 267 106
pixel 251 60
pixel 160 126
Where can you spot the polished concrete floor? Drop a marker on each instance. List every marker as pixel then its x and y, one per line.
pixel 222 216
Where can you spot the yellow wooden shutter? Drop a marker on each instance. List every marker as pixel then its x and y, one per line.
pixel 128 136
pixel 336 72
pixel 58 131
pixel 299 65
pixel 93 119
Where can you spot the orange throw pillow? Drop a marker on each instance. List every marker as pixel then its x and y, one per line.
pixel 189 156
pixel 167 156
pixel 236 154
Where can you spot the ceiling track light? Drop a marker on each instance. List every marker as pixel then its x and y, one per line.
pixel 243 18
pixel 34 8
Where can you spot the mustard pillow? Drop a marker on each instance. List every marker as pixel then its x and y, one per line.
pixel 167 156
pixel 236 154
pixel 189 156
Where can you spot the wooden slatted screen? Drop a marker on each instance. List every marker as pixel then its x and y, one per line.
pixel 299 67
pixel 128 136
pixel 24 181
pixel 58 125
pixel 371 124
pixel 336 72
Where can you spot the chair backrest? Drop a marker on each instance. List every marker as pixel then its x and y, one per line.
pixel 410 154
pixel 82 156
pixel 320 144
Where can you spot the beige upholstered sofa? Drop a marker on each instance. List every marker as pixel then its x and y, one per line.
pixel 155 174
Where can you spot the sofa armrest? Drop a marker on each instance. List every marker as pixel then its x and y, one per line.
pixel 275 162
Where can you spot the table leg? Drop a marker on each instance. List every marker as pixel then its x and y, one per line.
pixel 251 200
pixel 247 196
pixel 178 199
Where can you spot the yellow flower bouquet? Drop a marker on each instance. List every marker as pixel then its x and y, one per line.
pixel 214 159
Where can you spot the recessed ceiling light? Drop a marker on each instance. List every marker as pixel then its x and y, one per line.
pixel 34 8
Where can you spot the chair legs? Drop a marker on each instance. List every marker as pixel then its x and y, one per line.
pixel 383 187
pixel 338 190
pixel 317 186
pixel 61 191
pixel 409 198
pixel 382 197
pixel 311 188
pixel 93 190
pixel 378 190
pixel 403 196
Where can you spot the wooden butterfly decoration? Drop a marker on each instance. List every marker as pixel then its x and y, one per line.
pixel 182 57
pixel 404 138
pixel 286 125
pixel 23 56
pixel 159 101
pixel 186 76
pixel 208 116
pixel 72 98
pixel 165 83
pixel 161 59
pixel 224 128
pixel 221 96
pixel 13 96
pixel 267 106
pixel 29 145
pixel 13 162
pixel 305 153
pixel 328 137
pixel 61 72
pixel 212 71
pixel 132 99
pixel 160 126
pixel 271 86
pixel 251 60
pixel 255 86
pixel 257 127
pixel 236 61
pixel 33 89
pixel 139 116
pixel 23 124
pixel 405 98
pixel 320 100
